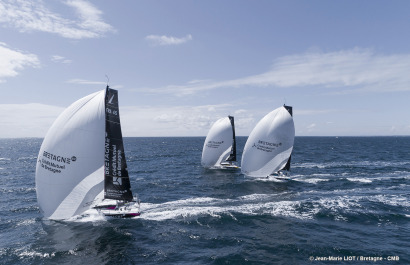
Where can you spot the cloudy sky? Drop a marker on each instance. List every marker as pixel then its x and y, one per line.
pixel 180 65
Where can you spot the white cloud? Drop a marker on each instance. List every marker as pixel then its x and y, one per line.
pixel 311 127
pixel 34 15
pixel 13 61
pixel 34 120
pixel 90 16
pixel 60 59
pixel 167 40
pixel 348 70
pixel 300 112
pixel 180 120
pixel 26 120
pixel 93 83
pixel 85 82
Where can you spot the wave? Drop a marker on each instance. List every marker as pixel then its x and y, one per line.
pixel 365 163
pixel 26 222
pixel 392 200
pixel 185 209
pixel 22 190
pixel 360 177
pixel 91 215
pixel 310 165
pixel 254 204
pixel 336 205
pixel 339 207
pixel 25 253
pixel 381 177
pixel 313 179
pixel 362 180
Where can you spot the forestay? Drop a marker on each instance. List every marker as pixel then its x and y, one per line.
pixel 270 144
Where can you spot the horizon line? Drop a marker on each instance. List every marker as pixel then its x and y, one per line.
pixel 204 136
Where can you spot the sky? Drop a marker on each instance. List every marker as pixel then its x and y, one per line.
pixel 180 65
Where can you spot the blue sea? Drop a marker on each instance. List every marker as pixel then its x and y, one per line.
pixel 347 203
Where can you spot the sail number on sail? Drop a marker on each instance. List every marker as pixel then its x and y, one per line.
pixel 110 111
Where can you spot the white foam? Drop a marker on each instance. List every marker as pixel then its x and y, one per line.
pixel 311 180
pixel 26 222
pixel 31 253
pixel 340 202
pixel 381 164
pixel 392 200
pixel 363 180
pixel 260 197
pixel 262 204
pixel 255 204
pixel 309 165
pixel 91 215
pixel 27 158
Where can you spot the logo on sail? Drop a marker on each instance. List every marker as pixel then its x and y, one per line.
pixel 214 144
pixel 117 181
pixel 266 146
pixel 55 163
pixel 110 101
pixel 113 161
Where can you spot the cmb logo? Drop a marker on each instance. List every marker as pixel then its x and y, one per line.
pixel 110 101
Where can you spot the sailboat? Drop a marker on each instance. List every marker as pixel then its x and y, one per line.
pixel 82 162
pixel 219 149
pixel 268 149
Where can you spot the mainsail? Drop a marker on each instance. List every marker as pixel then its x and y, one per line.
pixel 232 155
pixel 220 143
pixel 82 154
pixel 117 183
pixel 270 144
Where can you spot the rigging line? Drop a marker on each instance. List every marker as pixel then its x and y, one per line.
pixel 108 79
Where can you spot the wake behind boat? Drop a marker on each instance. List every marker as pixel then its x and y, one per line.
pixel 267 152
pixel 219 149
pixel 82 161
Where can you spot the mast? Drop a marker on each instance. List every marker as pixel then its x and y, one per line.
pixel 232 156
pixel 117 183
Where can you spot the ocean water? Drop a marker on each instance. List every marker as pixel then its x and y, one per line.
pixel 348 203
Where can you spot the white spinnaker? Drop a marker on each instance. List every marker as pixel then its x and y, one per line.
pixel 69 172
pixel 269 145
pixel 218 143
